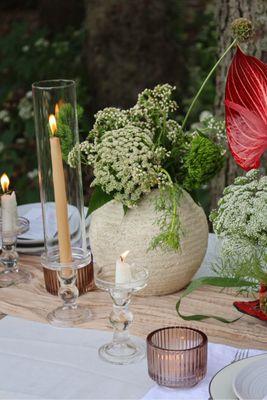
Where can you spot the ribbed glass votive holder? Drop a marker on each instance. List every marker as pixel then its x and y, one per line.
pixel 177 356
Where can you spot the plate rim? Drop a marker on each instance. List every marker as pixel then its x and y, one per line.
pixel 247 366
pixel 226 366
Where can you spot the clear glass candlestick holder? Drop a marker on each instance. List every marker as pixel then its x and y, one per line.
pixel 12 274
pixel 123 349
pixel 70 313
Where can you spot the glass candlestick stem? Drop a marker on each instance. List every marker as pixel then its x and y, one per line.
pixel 9 258
pixel 123 349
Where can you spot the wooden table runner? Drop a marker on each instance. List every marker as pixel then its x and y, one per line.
pixel 31 301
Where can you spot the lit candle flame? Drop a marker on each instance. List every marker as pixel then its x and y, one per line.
pixel 5 182
pixel 124 255
pixel 52 123
pixel 56 110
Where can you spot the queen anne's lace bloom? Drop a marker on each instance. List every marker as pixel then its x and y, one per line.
pixel 242 210
pixel 127 165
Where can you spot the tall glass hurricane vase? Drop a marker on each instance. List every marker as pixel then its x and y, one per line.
pixel 61 193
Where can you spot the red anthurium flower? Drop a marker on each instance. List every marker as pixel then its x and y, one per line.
pixel 246 109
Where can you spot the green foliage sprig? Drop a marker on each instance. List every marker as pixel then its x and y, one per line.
pixel 167 208
pixel 66 120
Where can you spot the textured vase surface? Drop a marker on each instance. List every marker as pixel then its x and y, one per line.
pixel 112 232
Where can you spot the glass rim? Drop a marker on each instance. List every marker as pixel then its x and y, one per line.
pixel 50 84
pixel 202 334
pixel 127 285
pixel 81 258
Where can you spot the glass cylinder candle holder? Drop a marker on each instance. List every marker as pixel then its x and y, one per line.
pixel 61 192
pixel 122 349
pixel 177 356
pixel 12 273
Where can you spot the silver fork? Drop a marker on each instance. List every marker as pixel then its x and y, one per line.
pixel 240 355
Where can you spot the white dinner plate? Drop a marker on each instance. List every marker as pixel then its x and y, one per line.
pixel 25 209
pixel 221 385
pixel 251 381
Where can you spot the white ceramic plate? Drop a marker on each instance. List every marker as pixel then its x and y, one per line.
pixel 251 381
pixel 221 385
pixel 25 209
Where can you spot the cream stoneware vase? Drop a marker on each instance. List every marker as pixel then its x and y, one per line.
pixel 112 232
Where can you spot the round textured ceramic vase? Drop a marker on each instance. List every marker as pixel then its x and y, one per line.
pixel 112 233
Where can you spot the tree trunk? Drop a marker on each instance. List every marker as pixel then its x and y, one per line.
pixel 137 44
pixel 227 11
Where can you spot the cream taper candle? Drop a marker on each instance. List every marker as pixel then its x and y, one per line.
pixel 60 194
pixel 9 207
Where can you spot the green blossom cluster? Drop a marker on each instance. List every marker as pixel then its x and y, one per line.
pixel 242 29
pixel 202 161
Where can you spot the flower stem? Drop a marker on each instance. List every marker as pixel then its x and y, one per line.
pixel 205 81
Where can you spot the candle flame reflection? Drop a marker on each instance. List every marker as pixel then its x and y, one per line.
pixel 5 182
pixel 124 255
pixel 52 123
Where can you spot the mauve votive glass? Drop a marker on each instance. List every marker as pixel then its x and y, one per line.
pixel 177 356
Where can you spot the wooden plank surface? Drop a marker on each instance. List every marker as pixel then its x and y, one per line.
pixel 31 301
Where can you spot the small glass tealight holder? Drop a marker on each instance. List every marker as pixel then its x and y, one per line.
pixel 12 274
pixel 177 356
pixel 122 349
pixel 70 313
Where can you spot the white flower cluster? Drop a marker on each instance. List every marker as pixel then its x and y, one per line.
pixel 4 116
pixel 233 247
pixel 212 126
pixel 242 210
pixel 153 107
pixel 26 107
pixel 174 131
pixel 159 98
pixel 41 43
pixel 84 152
pixel 109 119
pixel 127 165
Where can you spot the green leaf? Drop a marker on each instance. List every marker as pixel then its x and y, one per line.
pixel 98 199
pixel 212 281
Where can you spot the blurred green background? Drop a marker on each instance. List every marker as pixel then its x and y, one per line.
pixel 112 48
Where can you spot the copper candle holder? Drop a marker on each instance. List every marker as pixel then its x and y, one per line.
pixel 177 356
pixel 85 280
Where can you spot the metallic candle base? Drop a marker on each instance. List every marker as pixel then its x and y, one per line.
pixel 177 356
pixel 85 280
